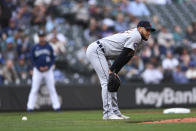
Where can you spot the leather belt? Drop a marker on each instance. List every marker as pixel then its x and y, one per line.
pixel 100 46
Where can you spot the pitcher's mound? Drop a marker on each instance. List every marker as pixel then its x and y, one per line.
pixel 181 120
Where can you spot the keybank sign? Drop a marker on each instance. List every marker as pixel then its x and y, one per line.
pixel 167 96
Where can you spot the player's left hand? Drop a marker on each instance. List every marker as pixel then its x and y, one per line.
pixel 113 82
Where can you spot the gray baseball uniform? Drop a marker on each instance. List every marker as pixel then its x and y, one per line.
pixel 99 52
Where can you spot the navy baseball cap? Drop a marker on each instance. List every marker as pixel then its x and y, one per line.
pixel 146 24
pixel 41 33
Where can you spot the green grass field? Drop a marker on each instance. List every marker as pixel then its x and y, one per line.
pixel 92 121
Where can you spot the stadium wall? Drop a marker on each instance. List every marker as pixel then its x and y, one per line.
pixel 73 97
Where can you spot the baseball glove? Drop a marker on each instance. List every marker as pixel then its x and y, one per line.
pixel 113 82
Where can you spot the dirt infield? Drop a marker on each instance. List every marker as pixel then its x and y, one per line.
pixel 179 120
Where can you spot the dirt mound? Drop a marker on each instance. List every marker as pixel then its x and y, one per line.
pixel 181 120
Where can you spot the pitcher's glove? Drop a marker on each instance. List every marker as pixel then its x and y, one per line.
pixel 113 82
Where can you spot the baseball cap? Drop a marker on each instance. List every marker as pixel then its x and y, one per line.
pixel 41 33
pixel 146 24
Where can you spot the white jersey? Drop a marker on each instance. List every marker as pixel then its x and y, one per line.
pixel 114 44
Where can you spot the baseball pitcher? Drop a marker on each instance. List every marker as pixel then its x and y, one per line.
pixel 121 47
pixel 42 57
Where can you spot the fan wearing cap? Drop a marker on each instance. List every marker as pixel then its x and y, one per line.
pixel 42 57
pixel 120 47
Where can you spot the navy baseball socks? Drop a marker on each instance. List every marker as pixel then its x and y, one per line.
pixel 57 110
pixel 29 110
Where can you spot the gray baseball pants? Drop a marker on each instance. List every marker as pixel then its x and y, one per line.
pixel 99 62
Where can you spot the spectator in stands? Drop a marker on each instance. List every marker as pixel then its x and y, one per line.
pixel 81 13
pixel 108 11
pixel 58 42
pixel 190 34
pixel 12 28
pixel 9 73
pixel 137 8
pixel 38 13
pixel 146 54
pixel 152 43
pixel 116 10
pixel 81 56
pixel 22 69
pixel 178 35
pixel 185 58
pixel 107 27
pixel 179 75
pixel 94 10
pixel 152 75
pixel 169 64
pixel 23 45
pixel 23 15
pixel 165 40
pixel 134 23
pixel 120 23
pixel 127 72
pixel 92 33
pixel 10 51
pixel 58 46
pixel 124 6
pixel 191 72
pixel 3 44
pixel 59 76
pixel 50 23
pixel 133 68
pixel 92 5
pixel 156 23
pixel 152 50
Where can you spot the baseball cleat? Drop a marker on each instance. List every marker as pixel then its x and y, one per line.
pixel 123 116
pixel 113 117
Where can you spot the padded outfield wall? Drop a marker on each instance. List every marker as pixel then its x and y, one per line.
pixel 71 97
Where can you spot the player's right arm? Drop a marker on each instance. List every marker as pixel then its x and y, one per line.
pixel 122 59
pixel 127 53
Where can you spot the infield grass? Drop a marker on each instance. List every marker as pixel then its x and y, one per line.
pixel 92 121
